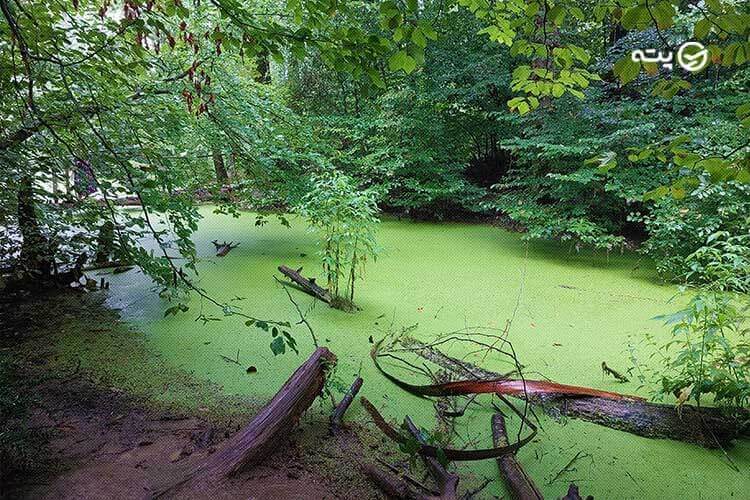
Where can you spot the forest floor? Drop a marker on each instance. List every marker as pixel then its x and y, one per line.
pixel 88 412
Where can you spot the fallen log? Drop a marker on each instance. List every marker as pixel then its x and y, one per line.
pixel 338 414
pixel 107 265
pixel 389 483
pixel 307 285
pixel 704 426
pixel 223 248
pixel 520 485
pixel 447 482
pixel 266 431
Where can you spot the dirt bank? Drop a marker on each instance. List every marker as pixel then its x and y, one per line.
pixel 89 412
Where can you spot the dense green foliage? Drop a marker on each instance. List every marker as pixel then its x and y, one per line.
pixel 530 111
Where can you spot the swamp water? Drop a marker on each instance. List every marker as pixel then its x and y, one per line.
pixel 572 311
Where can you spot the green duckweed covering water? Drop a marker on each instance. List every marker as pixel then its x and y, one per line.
pixel 572 311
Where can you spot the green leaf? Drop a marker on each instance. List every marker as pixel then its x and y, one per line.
pixel 627 69
pixel 402 61
pixel 577 13
pixel 375 78
pixel 278 346
pixel 664 13
pixel 636 17
pixel 428 30
pixel 702 28
pixel 418 38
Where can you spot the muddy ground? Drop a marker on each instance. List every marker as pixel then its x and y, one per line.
pixel 77 421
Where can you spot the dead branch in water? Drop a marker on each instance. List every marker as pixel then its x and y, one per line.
pixel 338 414
pixel 606 370
pixel 433 451
pixel 519 483
pixel 223 248
pixel 307 285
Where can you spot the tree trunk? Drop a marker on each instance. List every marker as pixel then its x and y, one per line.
pixel 105 243
pixel 519 483
pixel 221 171
pixel 265 433
pixel 264 67
pixel 35 250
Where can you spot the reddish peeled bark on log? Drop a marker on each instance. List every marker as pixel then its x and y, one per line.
pixel 267 430
pixel 519 483
pixel 525 388
pixel 704 426
pixel 307 285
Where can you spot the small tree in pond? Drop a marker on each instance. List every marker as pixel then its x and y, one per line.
pixel 346 219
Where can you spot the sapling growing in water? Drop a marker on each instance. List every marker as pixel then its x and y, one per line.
pixel 346 219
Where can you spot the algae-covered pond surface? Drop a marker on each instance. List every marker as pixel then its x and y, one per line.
pixel 572 311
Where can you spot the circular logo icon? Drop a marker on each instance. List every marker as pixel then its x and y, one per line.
pixel 692 56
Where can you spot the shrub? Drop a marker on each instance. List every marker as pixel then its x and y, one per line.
pixel 709 353
pixel 346 219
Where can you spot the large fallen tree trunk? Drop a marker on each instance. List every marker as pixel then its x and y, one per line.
pixel 705 426
pixel 307 285
pixel 266 432
pixel 520 485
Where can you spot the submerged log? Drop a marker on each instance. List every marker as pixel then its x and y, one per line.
pixel 520 485
pixel 704 426
pixel 223 248
pixel 458 366
pixel 307 285
pixel 267 431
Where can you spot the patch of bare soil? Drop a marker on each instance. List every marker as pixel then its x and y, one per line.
pixel 91 441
